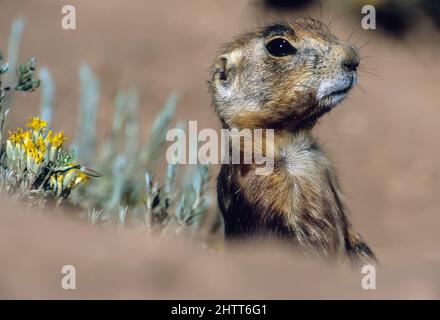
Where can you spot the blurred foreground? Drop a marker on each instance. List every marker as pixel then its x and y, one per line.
pixel 110 264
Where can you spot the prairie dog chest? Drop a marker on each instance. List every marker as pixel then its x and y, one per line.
pixel 299 181
pixel 300 156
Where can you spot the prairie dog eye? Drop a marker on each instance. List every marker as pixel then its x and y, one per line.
pixel 280 47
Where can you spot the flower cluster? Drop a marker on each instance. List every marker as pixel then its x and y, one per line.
pixel 39 152
pixel 32 148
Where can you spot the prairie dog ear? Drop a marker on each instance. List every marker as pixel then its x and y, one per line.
pixel 225 66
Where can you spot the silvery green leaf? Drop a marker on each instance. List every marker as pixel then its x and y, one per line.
pixel 4 68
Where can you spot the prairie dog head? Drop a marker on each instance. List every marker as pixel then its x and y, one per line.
pixel 282 76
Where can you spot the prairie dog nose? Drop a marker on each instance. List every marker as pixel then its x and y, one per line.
pixel 350 65
pixel 351 58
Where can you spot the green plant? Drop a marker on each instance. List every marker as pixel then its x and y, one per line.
pixel 35 166
pixel 129 193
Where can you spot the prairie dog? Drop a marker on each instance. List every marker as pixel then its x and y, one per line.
pixel 285 77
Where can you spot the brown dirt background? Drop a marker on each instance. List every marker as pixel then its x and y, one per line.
pixel 384 141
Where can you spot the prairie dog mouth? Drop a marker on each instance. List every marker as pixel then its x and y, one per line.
pixel 330 90
pixel 328 96
pixel 340 92
pixel 332 98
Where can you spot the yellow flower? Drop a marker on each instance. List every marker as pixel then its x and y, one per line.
pixel 41 145
pixel 82 177
pixel 37 146
pixel 27 136
pixel 53 180
pixel 29 146
pixel 16 137
pixel 60 180
pixel 36 124
pixel 38 156
pixel 49 136
pixel 58 139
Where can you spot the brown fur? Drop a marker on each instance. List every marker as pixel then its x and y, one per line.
pixel 301 199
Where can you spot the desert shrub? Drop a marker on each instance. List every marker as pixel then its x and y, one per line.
pixel 38 168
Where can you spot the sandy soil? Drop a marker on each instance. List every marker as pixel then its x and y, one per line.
pixel 109 264
pixel 384 140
